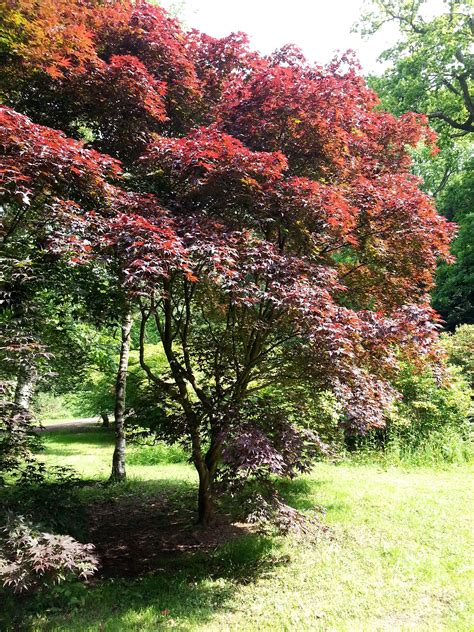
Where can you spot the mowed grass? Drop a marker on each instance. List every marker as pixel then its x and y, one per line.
pixel 396 556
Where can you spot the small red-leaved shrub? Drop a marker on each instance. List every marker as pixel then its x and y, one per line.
pixel 31 559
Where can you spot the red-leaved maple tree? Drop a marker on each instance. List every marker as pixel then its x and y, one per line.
pixel 266 223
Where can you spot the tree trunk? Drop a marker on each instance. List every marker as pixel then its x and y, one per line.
pixel 118 461
pixel 25 386
pixel 207 470
pixel 205 498
pixel 105 420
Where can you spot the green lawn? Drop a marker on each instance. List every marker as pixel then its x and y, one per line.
pixel 396 557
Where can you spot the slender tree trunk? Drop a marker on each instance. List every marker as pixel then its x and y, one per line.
pixel 105 420
pixel 25 386
pixel 118 460
pixel 207 470
pixel 205 498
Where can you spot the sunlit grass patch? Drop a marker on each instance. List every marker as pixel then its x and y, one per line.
pixel 394 556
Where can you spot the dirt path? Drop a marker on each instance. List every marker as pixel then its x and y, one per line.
pixel 74 425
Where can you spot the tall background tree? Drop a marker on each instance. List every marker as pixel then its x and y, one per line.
pixel 431 71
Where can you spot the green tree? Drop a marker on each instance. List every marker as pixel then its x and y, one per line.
pixel 432 63
pixel 453 296
pixel 431 71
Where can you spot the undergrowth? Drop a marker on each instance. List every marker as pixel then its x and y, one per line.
pixel 436 450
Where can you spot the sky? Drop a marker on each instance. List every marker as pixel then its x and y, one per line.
pixel 318 27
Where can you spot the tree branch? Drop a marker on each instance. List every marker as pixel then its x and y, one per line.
pixel 467 126
pixel 447 172
pixel 466 95
pixel 165 386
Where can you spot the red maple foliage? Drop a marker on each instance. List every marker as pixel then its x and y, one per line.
pixel 295 248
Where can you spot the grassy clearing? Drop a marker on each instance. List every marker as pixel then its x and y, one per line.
pixel 396 556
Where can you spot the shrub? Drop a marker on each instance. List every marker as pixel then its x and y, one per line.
pixel 430 405
pixel 49 496
pixel 48 405
pixel 31 560
pixel 97 393
pixel 18 439
pixel 156 454
pixel 429 425
pixel 445 447
pixel 460 349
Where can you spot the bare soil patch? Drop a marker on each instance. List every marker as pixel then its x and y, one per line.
pixel 136 535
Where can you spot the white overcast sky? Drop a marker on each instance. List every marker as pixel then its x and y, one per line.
pixel 318 27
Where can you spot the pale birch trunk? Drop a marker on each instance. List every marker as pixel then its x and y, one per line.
pixel 118 461
pixel 25 386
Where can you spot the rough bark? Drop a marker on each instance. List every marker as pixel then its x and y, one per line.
pixel 118 461
pixel 207 468
pixel 25 386
pixel 205 498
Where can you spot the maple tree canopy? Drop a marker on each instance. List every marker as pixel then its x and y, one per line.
pixel 262 207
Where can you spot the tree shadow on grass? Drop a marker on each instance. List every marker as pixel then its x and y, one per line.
pixel 184 587
pixel 301 493
pixel 94 436
pixel 158 569
pixel 156 564
pixel 63 445
pixel 136 534
pixel 190 589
